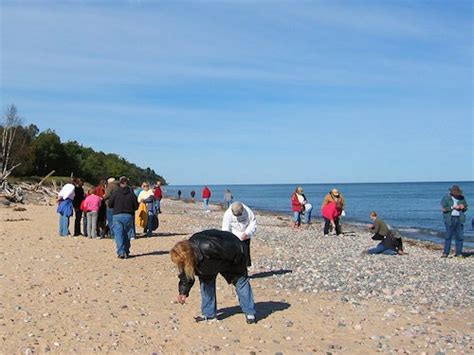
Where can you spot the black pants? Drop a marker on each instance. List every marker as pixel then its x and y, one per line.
pixel 327 224
pixel 246 244
pixel 77 221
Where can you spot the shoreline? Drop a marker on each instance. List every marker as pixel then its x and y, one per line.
pixel 356 228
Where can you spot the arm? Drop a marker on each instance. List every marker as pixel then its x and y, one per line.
pixel 111 201
pixel 252 227
pixel 226 221
pixel 184 285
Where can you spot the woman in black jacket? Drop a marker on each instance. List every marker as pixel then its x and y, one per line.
pixel 207 254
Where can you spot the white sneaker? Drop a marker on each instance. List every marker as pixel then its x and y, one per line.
pixel 326 235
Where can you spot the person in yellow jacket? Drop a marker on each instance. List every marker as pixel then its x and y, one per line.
pixel 146 209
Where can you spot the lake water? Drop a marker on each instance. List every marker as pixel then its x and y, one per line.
pixel 411 208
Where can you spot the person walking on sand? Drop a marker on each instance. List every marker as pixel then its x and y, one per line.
pixel 331 213
pixel 79 196
pixel 454 207
pixel 207 254
pixel 124 204
pixel 65 206
pixel 206 196
pixel 228 198
pixel 91 206
pixel 240 221
pixel 389 243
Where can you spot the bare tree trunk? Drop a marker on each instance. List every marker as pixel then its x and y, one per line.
pixel 10 126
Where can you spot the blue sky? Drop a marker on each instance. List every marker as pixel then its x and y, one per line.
pixel 209 92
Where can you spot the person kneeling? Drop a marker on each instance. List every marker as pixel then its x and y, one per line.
pixel 207 254
pixel 390 244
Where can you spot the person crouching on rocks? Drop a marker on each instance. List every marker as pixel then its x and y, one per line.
pixel 207 254
pixel 389 243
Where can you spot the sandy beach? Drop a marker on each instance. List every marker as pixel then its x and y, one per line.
pixel 313 295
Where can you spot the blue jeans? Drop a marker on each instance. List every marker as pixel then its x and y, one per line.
pixel 132 233
pixel 208 296
pixel 307 215
pixel 380 249
pixel 205 203
pixel 149 225
pixel 110 221
pixel 297 217
pixel 63 225
pixel 122 226
pixel 456 230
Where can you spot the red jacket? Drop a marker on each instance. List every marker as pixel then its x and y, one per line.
pixel 206 193
pixel 330 211
pixel 296 206
pixel 158 193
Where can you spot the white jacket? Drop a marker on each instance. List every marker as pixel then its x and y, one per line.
pixel 247 223
pixel 67 192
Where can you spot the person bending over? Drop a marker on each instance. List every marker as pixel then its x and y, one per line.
pixel 207 254
pixel 389 243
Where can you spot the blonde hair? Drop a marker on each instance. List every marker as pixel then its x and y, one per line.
pixel 183 256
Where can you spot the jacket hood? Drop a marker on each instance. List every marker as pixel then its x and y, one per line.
pixel 125 190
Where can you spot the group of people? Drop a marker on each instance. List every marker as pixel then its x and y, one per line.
pixel 112 208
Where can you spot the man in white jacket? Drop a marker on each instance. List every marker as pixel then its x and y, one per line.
pixel 241 221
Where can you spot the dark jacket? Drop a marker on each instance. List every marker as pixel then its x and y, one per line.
pixel 390 241
pixel 447 204
pixel 79 196
pixel 217 252
pixel 123 201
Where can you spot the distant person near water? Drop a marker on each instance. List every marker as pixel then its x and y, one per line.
pixel 240 221
pixel 65 206
pixel 454 207
pixel 124 204
pixel 335 196
pixel 331 213
pixel 193 195
pixel 207 254
pixel 179 194
pixel 206 196
pixel 389 243
pixel 228 198
pixel 158 196
pixel 300 207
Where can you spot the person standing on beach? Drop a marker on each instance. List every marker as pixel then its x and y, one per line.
pixel 112 186
pixel 79 196
pixel 65 206
pixel 454 207
pixel 193 194
pixel 102 217
pixel 390 244
pixel 207 254
pixel 228 198
pixel 335 196
pixel 91 206
pixel 300 207
pixel 124 204
pixel 147 198
pixel 179 194
pixel 158 193
pixel 206 196
pixel 240 221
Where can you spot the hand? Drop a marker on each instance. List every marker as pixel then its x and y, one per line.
pixel 370 226
pixel 333 225
pixel 182 299
pixel 244 236
pixel 460 207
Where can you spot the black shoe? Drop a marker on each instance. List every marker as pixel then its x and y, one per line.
pixel 122 256
pixel 250 318
pixel 202 318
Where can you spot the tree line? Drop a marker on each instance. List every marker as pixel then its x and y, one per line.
pixel 36 153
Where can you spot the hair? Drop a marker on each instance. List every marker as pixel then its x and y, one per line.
pixel 298 189
pixel 110 179
pixel 183 256
pixel 91 190
pixel 237 209
pixel 145 183
pixel 373 214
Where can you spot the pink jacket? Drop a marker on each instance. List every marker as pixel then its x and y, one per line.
pixel 330 211
pixel 92 203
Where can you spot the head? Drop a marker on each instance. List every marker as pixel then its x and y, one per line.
pixel 183 256
pixel 158 183
pixel 74 181
pixel 335 192
pixel 123 181
pixel 299 190
pixel 91 190
pixel 146 186
pixel 102 182
pixel 455 190
pixel 373 215
pixel 237 209
pixel 110 180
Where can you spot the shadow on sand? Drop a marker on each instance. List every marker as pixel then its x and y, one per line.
pixel 158 252
pixel 261 275
pixel 264 309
